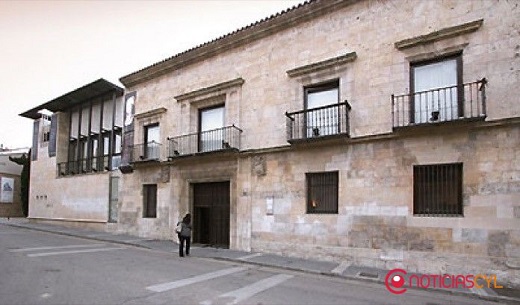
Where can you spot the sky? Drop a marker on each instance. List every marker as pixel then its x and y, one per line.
pixel 49 48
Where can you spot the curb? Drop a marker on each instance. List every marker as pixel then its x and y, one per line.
pixel 77 236
pixel 308 271
pixel 368 280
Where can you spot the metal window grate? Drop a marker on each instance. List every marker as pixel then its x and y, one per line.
pixel 322 192
pixel 437 190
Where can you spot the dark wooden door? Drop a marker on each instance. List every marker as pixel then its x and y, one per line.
pixel 211 212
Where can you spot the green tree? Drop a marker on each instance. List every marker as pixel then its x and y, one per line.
pixel 25 161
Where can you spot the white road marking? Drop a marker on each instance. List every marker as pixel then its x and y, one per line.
pixel 56 247
pixel 72 252
pixel 246 292
pixel 250 256
pixel 341 268
pixel 193 280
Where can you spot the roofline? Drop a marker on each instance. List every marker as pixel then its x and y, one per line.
pixel 34 112
pixel 268 26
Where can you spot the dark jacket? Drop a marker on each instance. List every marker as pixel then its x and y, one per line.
pixel 186 230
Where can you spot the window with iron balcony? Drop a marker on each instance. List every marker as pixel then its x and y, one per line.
pixel 323 115
pixel 438 95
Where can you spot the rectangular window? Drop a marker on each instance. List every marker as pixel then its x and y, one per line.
pixel 322 120
pixel 437 90
pixel 211 128
pixel 46 129
pixel 322 192
pixel 152 142
pixel 150 200
pixel 437 190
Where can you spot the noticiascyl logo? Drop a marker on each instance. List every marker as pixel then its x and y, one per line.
pixel 395 280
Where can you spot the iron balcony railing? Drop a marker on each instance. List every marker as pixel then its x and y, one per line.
pixel 466 101
pixel 85 166
pixel 221 139
pixel 150 151
pixel 318 122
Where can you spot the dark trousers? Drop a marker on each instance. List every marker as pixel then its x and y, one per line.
pixel 183 240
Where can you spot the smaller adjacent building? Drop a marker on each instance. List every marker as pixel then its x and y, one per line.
pixel 10 183
pixel 75 155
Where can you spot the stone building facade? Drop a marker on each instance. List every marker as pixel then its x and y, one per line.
pixel 75 157
pixel 383 133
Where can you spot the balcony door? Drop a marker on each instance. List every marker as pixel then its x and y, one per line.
pixel 322 121
pixel 436 94
pixel 152 142
pixel 211 129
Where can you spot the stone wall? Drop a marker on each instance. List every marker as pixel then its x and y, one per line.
pixel 375 224
pixel 81 198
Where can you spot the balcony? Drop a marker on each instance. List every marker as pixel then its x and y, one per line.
pixel 85 166
pixel 456 103
pixel 146 152
pixel 318 123
pixel 221 139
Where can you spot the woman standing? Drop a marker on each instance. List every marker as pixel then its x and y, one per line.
pixel 185 235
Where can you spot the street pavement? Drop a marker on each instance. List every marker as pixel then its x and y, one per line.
pixel 343 270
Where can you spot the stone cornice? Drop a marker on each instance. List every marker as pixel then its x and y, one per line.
pixel 256 31
pixel 150 113
pixel 440 34
pixel 211 90
pixel 322 65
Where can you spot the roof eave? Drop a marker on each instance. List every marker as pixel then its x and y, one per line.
pixel 256 31
pixel 58 103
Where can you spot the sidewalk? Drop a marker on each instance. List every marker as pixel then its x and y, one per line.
pixel 343 270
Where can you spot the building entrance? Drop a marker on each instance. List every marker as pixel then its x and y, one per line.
pixel 211 213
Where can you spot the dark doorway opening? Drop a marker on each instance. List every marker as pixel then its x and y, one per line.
pixel 211 213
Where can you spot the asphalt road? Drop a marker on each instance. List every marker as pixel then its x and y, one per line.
pixel 45 268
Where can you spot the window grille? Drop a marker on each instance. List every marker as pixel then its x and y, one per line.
pixel 437 190
pixel 322 192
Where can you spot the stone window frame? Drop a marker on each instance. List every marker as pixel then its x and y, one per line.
pixel 148 118
pixel 315 88
pixel 313 181
pixel 433 185
pixel 319 73
pixel 216 95
pixel 420 61
pixel 149 206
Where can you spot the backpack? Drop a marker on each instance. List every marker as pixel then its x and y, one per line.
pixel 178 228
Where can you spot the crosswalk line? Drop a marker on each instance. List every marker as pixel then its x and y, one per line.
pixel 192 280
pixel 246 292
pixel 55 247
pixel 72 252
pixel 341 268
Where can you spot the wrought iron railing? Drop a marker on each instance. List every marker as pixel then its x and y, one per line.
pixel 318 122
pixel 221 139
pixel 84 166
pixel 146 152
pixel 466 101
